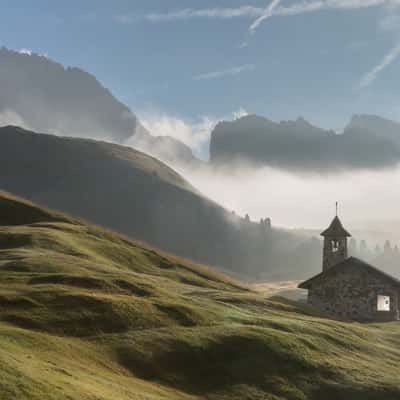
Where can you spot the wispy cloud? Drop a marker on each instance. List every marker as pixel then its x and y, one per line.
pixel 194 133
pixel 306 6
pixel 267 14
pixel 261 13
pixel 389 58
pixel 27 52
pixel 277 9
pixel 216 13
pixel 226 72
pixel 241 112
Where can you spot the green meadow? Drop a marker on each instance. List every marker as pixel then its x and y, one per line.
pixel 86 313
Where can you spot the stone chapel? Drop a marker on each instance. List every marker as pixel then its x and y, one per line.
pixel 348 287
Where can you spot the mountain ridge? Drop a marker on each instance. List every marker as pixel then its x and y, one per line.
pixel 44 96
pixel 299 145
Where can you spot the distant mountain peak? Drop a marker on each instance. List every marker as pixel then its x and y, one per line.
pixel 379 126
pixel 367 142
pixel 371 118
pixel 42 95
pixel 50 98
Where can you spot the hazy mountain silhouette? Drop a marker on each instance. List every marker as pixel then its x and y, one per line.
pixel 367 142
pixel 166 148
pixel 133 193
pixel 379 126
pixel 68 101
pixel 44 96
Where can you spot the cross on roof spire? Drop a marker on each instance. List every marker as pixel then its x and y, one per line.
pixel 336 229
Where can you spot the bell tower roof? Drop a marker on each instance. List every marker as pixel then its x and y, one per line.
pixel 335 229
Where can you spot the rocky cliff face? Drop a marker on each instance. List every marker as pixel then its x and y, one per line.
pixel 365 143
pixel 44 96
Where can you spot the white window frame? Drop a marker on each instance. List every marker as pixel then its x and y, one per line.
pixel 383 303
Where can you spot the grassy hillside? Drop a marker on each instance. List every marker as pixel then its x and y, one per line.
pixel 133 193
pixel 88 314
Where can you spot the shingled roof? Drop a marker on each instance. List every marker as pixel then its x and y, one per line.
pixel 335 229
pixel 351 261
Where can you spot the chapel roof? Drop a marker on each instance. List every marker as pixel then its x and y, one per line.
pixel 342 266
pixel 335 229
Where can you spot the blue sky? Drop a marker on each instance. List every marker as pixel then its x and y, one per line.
pixel 198 61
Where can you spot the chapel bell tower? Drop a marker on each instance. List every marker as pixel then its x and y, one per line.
pixel 335 243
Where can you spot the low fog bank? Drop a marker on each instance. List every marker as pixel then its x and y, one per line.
pixel 305 204
pixel 368 200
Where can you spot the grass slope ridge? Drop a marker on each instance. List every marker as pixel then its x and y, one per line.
pixel 130 192
pixel 88 314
